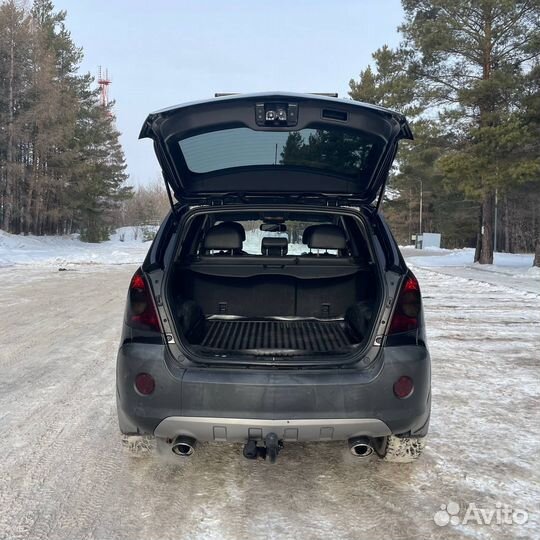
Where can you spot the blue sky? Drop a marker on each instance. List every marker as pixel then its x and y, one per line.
pixel 163 52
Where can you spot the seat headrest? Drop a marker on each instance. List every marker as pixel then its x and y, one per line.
pixel 226 235
pixel 324 237
pixel 274 247
pixel 307 233
pixel 235 225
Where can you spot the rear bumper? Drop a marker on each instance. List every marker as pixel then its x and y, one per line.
pixel 242 429
pixel 234 404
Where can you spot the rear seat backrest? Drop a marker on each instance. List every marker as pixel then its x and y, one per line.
pixel 274 247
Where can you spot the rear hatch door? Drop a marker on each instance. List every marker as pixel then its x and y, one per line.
pixel 276 144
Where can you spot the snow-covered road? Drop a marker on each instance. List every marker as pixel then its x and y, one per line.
pixel 64 475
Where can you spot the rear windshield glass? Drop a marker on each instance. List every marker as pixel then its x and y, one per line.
pixel 339 151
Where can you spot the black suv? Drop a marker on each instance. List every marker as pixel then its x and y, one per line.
pixel 274 305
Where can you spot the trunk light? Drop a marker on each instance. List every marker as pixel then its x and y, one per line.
pixel 145 383
pixel 403 387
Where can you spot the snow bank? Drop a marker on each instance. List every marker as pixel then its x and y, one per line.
pixel 465 256
pixel 511 270
pixel 127 245
pixel 509 262
pixel 130 245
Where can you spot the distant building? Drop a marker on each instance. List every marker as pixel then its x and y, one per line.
pixel 426 240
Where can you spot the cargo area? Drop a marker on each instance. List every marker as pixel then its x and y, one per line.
pixel 275 314
pixel 232 296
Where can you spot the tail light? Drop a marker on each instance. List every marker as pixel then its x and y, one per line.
pixel 408 307
pixel 141 312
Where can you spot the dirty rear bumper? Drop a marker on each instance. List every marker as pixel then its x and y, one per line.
pixel 225 404
pixel 242 429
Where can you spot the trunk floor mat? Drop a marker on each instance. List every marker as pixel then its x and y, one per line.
pixel 311 335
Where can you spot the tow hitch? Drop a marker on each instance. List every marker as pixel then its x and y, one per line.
pixel 271 449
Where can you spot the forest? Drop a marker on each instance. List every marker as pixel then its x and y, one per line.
pixel 467 76
pixel 466 73
pixel 62 168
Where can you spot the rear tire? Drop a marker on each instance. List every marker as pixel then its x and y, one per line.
pixel 400 449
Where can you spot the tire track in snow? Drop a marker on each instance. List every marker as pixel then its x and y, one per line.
pixel 77 482
pixel 57 441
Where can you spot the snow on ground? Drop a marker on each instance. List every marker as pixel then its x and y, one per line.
pixel 513 270
pixel 126 245
pixel 64 475
pixel 512 262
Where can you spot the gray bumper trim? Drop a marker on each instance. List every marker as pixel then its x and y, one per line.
pixel 242 429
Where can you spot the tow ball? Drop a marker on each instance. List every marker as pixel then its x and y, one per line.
pixel 270 451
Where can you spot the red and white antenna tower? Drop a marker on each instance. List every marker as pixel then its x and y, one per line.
pixel 104 81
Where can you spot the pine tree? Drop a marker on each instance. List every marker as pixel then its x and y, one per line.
pixel 98 183
pixel 390 84
pixel 531 119
pixel 15 34
pixel 57 89
pixel 472 56
pixel 463 74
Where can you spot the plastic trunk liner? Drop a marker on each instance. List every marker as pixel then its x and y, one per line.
pixel 307 334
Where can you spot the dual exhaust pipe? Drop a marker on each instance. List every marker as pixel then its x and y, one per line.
pixel 360 447
pixel 183 446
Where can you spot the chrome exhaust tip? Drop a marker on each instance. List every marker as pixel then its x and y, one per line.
pixel 360 447
pixel 183 446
